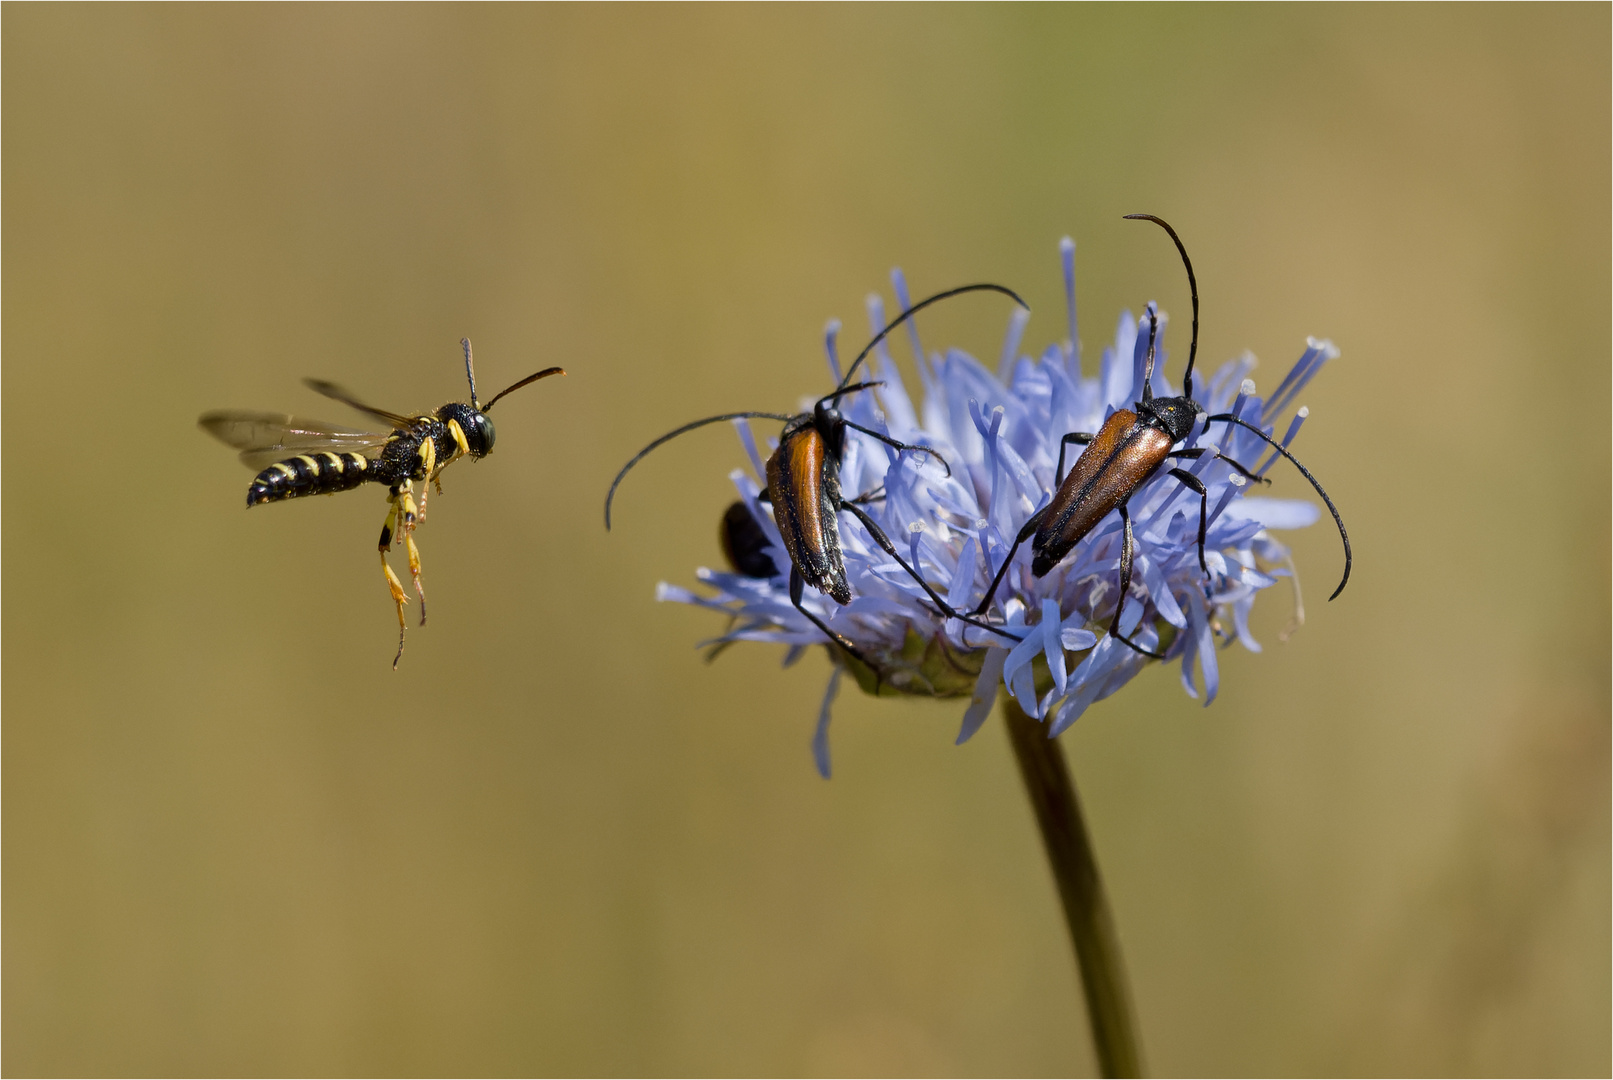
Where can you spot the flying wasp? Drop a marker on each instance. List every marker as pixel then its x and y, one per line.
pixel 297 457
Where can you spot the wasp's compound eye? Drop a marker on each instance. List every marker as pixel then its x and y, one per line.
pixel 480 435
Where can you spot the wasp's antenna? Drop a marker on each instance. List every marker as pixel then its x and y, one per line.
pixel 470 372
pixel 1193 285
pixel 534 377
pixel 1148 366
pixel 920 306
pixel 673 434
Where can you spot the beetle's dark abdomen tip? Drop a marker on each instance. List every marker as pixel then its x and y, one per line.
pixel 1040 565
pixel 838 589
pixel 257 493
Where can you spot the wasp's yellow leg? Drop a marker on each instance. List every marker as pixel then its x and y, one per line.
pixel 394 586
pixel 414 568
pixel 426 461
pixel 409 515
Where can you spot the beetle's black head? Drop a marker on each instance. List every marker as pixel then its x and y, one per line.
pixel 1174 414
pixel 478 429
pixel 831 425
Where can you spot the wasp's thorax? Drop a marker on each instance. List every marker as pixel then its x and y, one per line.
pixel 478 429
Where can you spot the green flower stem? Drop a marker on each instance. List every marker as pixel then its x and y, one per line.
pixel 1086 908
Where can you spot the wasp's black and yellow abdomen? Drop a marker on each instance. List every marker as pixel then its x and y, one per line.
pixel 309 474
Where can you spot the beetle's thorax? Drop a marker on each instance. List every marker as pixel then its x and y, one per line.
pixel 1172 415
pixel 826 418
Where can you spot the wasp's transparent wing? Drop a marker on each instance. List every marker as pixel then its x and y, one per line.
pixel 346 397
pixel 265 438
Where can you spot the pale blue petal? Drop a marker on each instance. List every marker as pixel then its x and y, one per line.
pixel 1072 325
pixel 1077 639
pixel 1274 513
pixel 748 440
pixel 1052 643
pixel 820 737
pixel 985 694
pixel 831 332
pixel 1240 620
pixel 1023 653
pixel 1010 350
pixel 1023 687
pixel 1117 364
pixel 1208 667
pixel 963 578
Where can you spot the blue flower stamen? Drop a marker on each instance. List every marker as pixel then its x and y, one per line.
pixel 1072 342
pixel 831 334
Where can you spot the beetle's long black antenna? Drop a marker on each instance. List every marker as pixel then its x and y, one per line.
pixel 470 372
pixel 1229 418
pixel 544 374
pixel 1193 285
pixel 920 306
pixel 1148 369
pixel 841 392
pixel 673 435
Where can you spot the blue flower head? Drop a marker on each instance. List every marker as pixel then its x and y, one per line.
pixel 1000 431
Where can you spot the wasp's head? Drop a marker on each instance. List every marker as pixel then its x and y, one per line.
pixel 478 429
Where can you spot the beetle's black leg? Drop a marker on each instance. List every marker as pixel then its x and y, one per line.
pixel 1127 543
pixel 1026 531
pixel 888 441
pixel 1073 437
pixel 867 497
pixel 890 549
pixel 1194 484
pixel 1200 451
pixel 797 591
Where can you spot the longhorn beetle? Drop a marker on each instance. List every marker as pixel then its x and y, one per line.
pixel 308 457
pixel 1130 448
pixel 803 484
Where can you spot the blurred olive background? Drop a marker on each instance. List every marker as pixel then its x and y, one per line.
pixel 556 841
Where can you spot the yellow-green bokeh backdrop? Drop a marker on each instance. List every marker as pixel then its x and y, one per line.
pixel 555 841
